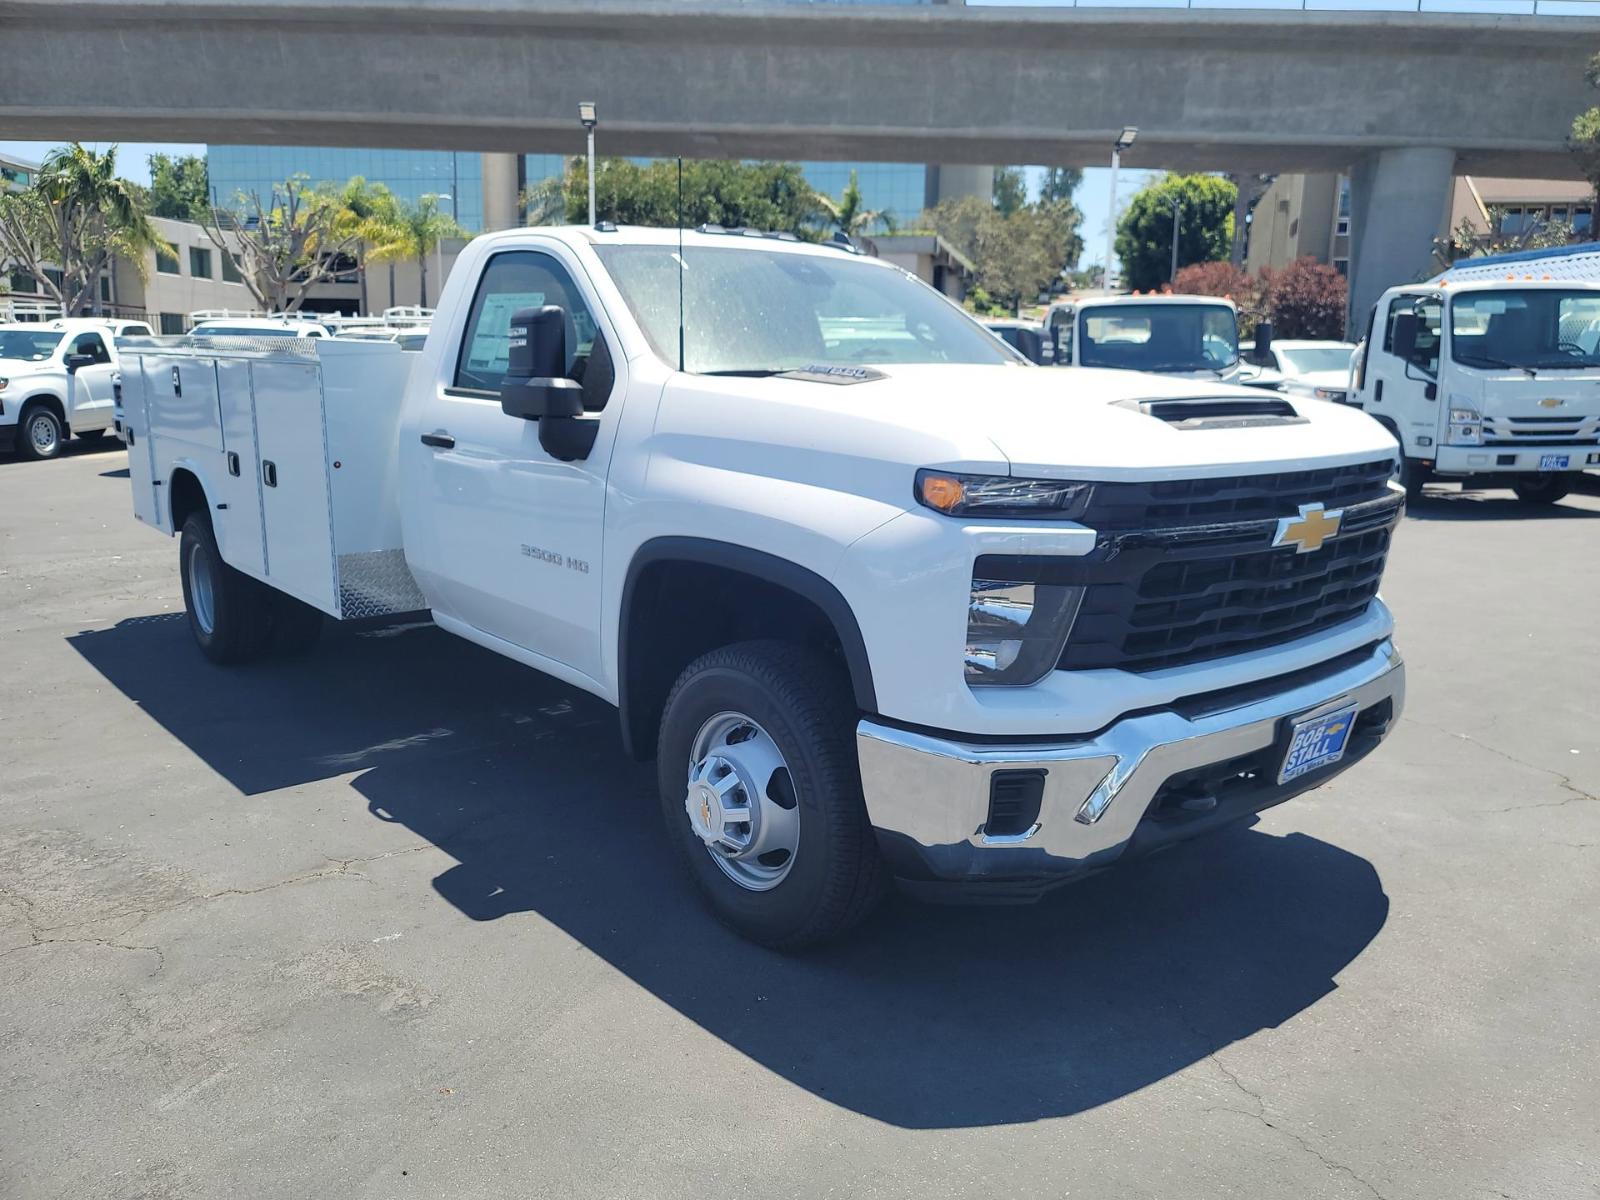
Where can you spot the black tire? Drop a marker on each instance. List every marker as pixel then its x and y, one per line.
pixel 296 626
pixel 91 435
pixel 804 703
pixel 40 432
pixel 238 614
pixel 1412 476
pixel 1541 489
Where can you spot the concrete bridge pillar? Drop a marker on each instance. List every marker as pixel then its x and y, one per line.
pixel 1399 202
pixel 502 179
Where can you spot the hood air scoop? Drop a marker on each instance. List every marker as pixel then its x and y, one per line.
pixel 1218 412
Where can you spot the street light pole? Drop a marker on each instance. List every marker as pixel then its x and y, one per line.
pixel 1175 202
pixel 586 116
pixel 1124 140
pixel 438 247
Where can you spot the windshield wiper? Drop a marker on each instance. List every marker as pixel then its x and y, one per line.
pixel 1497 362
pixel 752 372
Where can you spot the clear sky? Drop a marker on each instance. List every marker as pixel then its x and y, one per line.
pixel 1092 194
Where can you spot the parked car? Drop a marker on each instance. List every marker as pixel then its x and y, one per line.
pixel 1027 338
pixel 877 603
pixel 1300 367
pixel 56 382
pixel 272 326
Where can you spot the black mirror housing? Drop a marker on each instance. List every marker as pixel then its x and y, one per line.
pixel 1263 343
pixel 75 361
pixel 1404 340
pixel 535 384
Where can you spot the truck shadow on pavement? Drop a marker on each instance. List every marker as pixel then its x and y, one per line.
pixel 925 1018
pixel 1471 505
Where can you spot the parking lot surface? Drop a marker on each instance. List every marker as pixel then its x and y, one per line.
pixel 399 919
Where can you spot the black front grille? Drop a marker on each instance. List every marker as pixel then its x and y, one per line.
pixel 1185 571
pixel 1227 498
pixel 1181 611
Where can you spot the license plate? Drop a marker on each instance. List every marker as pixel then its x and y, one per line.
pixel 1317 742
pixel 1553 462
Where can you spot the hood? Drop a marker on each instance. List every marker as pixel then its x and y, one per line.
pixel 1069 422
pixel 23 366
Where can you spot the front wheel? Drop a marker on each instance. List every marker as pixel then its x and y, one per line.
pixel 1413 475
pixel 762 795
pixel 1541 489
pixel 40 433
pixel 227 609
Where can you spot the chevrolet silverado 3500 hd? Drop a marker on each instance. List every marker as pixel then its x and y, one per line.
pixel 881 599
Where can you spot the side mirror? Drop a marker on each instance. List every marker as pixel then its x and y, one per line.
pixel 74 361
pixel 1404 339
pixel 1263 343
pixel 535 386
pixel 1031 344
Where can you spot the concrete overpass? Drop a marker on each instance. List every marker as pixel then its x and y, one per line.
pixel 1403 100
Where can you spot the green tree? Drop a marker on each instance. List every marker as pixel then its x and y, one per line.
pixel 1144 233
pixel 179 187
pixel 371 214
pixel 1015 257
pixel 415 234
pixel 285 244
pixel 1060 183
pixel 65 229
pixel 1010 190
pixel 765 195
pixel 1584 142
pixel 849 213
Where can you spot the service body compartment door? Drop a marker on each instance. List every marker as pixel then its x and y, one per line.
pixel 141 447
pixel 293 465
pixel 238 526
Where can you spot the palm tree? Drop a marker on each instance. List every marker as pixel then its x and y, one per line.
pixel 418 229
pixel 849 215
pixel 545 202
pixel 81 216
pixel 370 212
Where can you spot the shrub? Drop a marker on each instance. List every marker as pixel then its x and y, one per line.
pixel 1307 300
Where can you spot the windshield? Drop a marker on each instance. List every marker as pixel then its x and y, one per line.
pixel 757 311
pixel 1526 328
pixel 27 344
pixel 1160 337
pixel 1303 360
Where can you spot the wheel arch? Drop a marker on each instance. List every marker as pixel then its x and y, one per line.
pixel 788 601
pixel 186 494
pixel 49 400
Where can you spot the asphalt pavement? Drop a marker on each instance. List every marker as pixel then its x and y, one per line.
pixel 398 919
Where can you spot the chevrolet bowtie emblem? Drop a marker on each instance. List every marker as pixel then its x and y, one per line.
pixel 1309 530
pixel 1551 402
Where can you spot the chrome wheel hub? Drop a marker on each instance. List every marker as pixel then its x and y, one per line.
pixel 42 434
pixel 740 801
pixel 201 594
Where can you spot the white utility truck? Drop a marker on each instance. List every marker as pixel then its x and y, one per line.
pixel 1489 381
pixel 880 598
pixel 57 380
pixel 1192 337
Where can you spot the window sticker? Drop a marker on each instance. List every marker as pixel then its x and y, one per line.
pixel 491 338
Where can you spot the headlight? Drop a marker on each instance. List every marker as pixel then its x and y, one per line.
pixel 1016 628
pixel 1002 496
pixel 1466 427
pixel 3 383
pixel 1328 393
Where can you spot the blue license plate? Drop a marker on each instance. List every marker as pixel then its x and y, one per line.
pixel 1317 742
pixel 1553 462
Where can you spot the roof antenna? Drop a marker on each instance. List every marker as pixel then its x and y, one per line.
pixel 681 267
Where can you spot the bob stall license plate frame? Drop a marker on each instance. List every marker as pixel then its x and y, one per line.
pixel 1316 742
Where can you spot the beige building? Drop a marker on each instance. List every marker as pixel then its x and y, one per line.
pixel 927 256
pixel 1309 215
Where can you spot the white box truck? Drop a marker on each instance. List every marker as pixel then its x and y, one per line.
pixel 1488 380
pixel 879 599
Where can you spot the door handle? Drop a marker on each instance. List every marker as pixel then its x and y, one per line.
pixel 233 462
pixel 269 472
pixel 177 382
pixel 440 440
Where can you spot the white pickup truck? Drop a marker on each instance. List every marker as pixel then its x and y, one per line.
pixel 880 599
pixel 1191 337
pixel 56 380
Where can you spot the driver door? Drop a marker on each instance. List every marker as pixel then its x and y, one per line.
pixel 508 537
pixel 92 398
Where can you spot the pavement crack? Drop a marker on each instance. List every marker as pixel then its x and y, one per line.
pixel 1564 781
pixel 161 958
pixel 1260 1114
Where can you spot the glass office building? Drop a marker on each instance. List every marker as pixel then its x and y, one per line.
pixel 409 174
pixel 896 189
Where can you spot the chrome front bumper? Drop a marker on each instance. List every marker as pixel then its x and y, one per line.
pixel 1103 796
